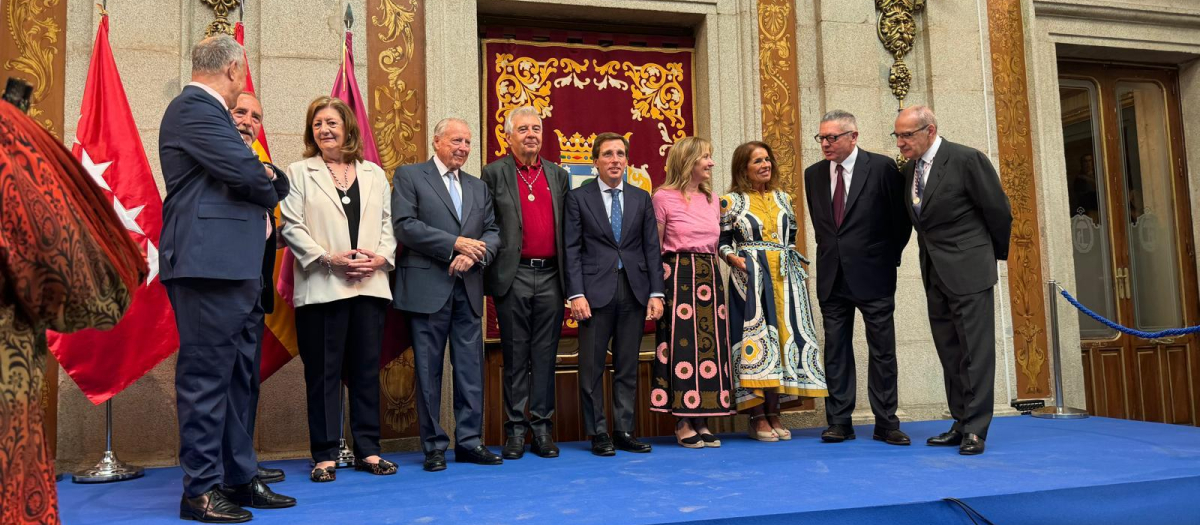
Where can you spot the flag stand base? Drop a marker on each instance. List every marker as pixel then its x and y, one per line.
pixel 109 469
pixel 345 457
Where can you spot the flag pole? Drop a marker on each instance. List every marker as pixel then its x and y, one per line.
pixel 345 457
pixel 109 468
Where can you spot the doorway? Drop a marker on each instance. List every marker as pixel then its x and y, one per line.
pixel 1131 230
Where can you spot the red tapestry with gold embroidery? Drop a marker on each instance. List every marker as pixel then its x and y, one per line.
pixel 582 90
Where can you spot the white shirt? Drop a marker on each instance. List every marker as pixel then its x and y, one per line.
pixel 443 170
pixel 847 174
pixel 212 92
pixel 928 158
pixel 604 193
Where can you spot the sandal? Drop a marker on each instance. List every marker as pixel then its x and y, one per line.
pixel 323 475
pixel 761 436
pixel 692 441
pixel 382 468
pixel 783 433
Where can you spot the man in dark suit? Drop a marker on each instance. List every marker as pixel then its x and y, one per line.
pixel 443 218
pixel 855 198
pixel 248 117
pixel 526 280
pixel 614 283
pixel 210 259
pixel 963 221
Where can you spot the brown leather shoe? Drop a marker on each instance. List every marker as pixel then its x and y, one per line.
pixel 837 434
pixel 212 507
pixel 971 445
pixel 891 436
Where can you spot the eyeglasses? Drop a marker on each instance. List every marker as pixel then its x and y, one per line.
pixel 831 138
pixel 909 134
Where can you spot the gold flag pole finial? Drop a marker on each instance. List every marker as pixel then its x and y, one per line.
pixel 221 9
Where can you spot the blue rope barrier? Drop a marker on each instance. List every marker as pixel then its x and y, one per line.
pixel 1172 332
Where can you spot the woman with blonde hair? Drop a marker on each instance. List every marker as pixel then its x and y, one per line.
pixel 775 345
pixel 692 362
pixel 337 220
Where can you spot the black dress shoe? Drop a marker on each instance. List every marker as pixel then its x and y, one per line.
pixel 434 461
pixel 602 445
pixel 971 445
pixel 625 441
pixel 891 436
pixel 544 446
pixel 257 495
pixel 514 448
pixel 270 475
pixel 946 439
pixel 837 434
pixel 212 507
pixel 480 455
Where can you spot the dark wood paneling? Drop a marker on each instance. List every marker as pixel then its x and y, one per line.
pixel 1177 389
pixel 1149 384
pixel 1089 386
pixel 1112 382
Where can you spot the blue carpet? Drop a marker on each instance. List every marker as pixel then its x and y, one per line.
pixel 1090 471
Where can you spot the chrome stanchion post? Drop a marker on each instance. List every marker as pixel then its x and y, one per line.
pixel 345 456
pixel 109 468
pixel 1058 411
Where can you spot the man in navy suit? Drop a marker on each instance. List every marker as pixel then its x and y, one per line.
pixel 248 117
pixel 443 217
pixel 614 283
pixel 210 259
pixel 855 198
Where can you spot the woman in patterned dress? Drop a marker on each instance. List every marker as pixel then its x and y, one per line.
pixel 692 366
pixel 775 346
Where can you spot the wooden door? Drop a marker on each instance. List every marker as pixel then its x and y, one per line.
pixel 1131 229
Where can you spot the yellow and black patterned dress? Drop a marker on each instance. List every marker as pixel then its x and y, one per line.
pixel 771 331
pixel 66 264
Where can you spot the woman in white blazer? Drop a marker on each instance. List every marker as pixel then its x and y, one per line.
pixel 337 222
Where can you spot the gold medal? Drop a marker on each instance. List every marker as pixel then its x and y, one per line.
pixel 531 195
pixel 916 201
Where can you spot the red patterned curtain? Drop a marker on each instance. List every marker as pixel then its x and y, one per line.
pixel 584 89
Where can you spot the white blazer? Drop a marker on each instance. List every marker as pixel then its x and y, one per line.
pixel 314 223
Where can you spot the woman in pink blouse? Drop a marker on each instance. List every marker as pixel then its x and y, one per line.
pixel 692 365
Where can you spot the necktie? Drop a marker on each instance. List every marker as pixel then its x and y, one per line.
pixel 615 219
pixel 839 197
pixel 918 186
pixel 455 197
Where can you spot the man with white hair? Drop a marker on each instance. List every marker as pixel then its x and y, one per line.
pixel 443 218
pixel 210 259
pixel 527 280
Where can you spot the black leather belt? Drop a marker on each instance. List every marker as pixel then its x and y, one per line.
pixel 540 263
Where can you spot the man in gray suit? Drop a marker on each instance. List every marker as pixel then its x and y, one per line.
pixel 963 221
pixel 443 218
pixel 527 280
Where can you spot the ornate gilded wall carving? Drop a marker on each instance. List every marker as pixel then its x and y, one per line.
pixel 396 45
pixel 34 43
pixel 1016 172
pixel 396 87
pixel 780 92
pixel 221 9
pixel 897 28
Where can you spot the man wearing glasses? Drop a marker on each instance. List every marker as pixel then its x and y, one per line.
pixel 856 198
pixel 963 221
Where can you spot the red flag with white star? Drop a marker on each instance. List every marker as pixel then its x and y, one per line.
pixel 107 143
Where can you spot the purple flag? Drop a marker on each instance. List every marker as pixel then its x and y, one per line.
pixel 345 87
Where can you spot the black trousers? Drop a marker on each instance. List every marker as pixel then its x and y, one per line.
pixel 456 322
pixel 342 339
pixel 214 373
pixel 837 312
pixel 530 317
pixel 620 322
pixel 964 332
